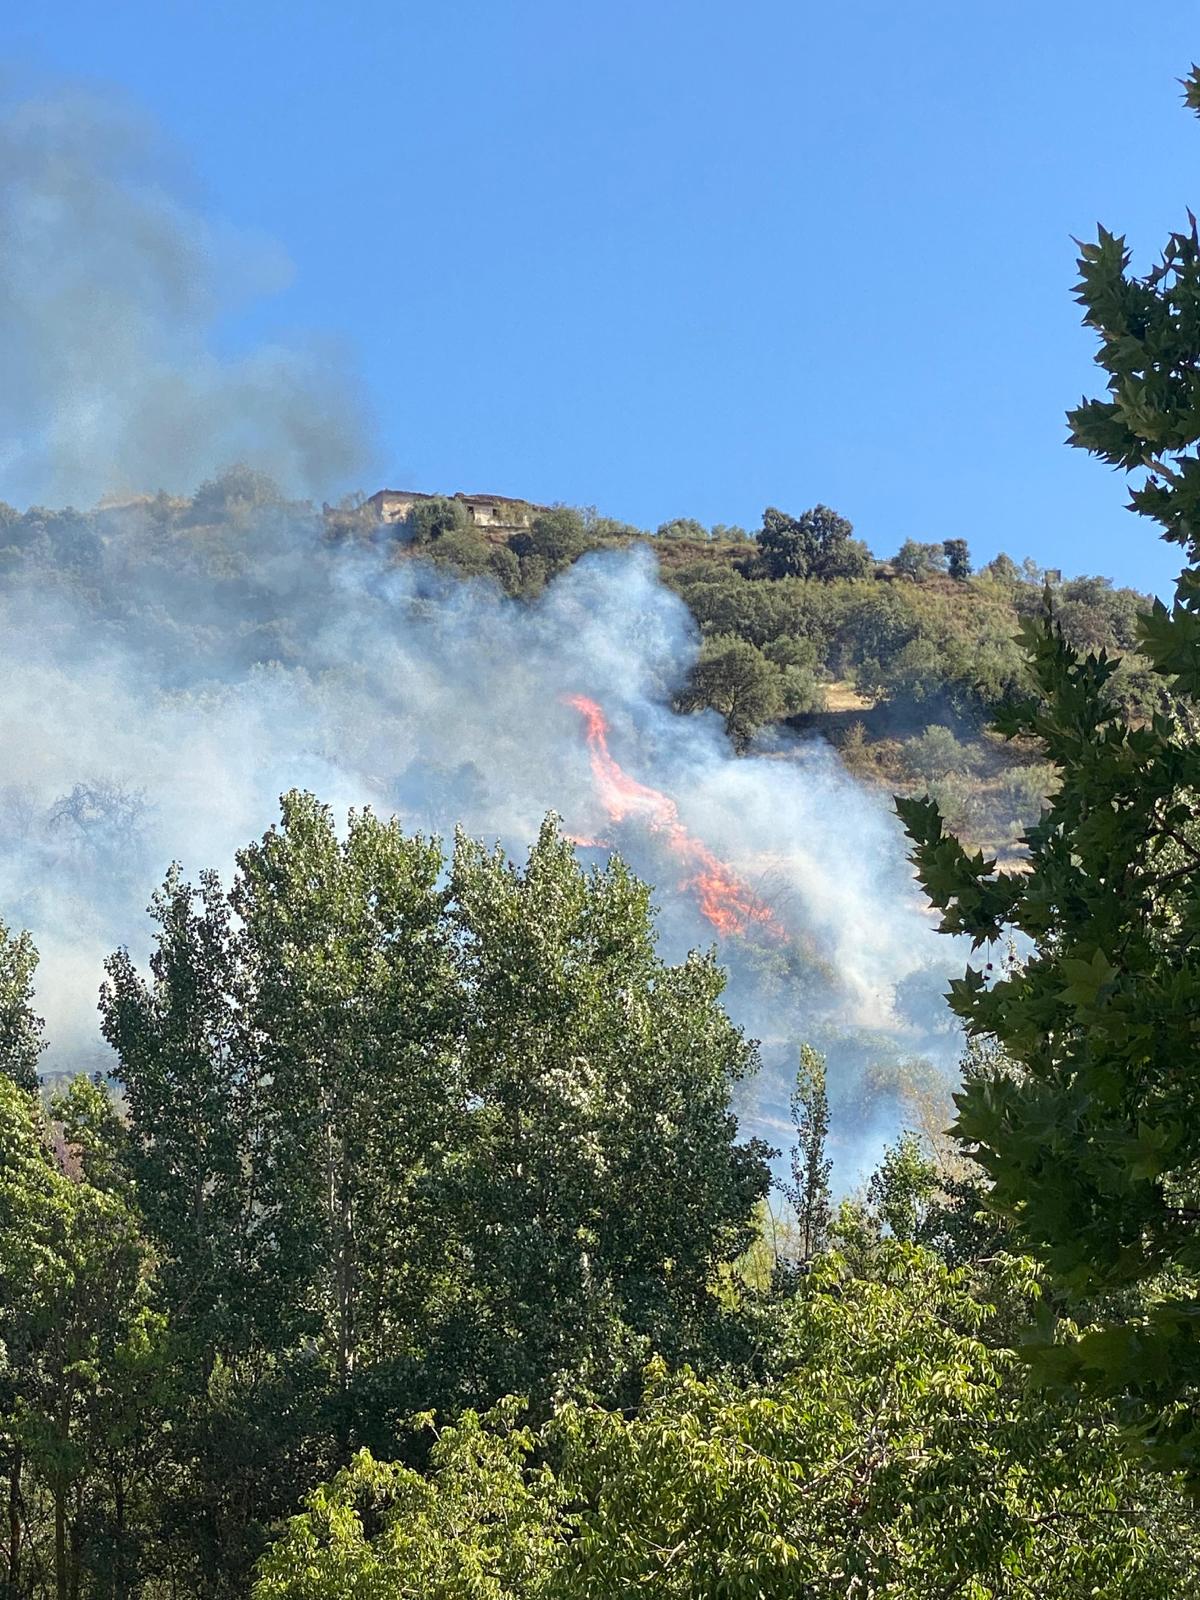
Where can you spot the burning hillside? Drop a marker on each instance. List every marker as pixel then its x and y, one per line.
pixel 728 902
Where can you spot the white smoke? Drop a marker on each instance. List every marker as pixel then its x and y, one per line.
pixel 168 670
pixel 112 288
pixel 135 736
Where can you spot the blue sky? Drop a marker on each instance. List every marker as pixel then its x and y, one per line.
pixel 690 259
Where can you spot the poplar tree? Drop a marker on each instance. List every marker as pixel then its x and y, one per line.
pixel 808 1191
pixel 409 1132
pixel 20 1030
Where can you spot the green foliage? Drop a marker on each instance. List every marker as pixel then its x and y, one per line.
pixel 958 558
pixel 598 1082
pixel 234 495
pixel 1093 1148
pixel 558 537
pixel 609 530
pixel 20 1030
pixel 935 653
pixel 408 1137
pixel 466 550
pixel 1026 791
pixel 477 1523
pixel 936 752
pixel 808 1191
pixel 902 1187
pixel 505 566
pixel 1095 1151
pixel 1003 569
pixel 437 518
pixel 82 1364
pixel 682 528
pixel 886 1452
pixel 916 560
pixel 735 678
pixel 817 544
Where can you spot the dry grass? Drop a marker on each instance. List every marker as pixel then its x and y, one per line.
pixel 843 696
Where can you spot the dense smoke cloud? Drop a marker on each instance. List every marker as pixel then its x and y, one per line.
pixel 160 694
pixel 111 288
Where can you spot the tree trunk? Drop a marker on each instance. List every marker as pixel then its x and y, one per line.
pixel 76 1544
pixel 60 1544
pixel 346 1265
pixel 14 1522
pixel 340 1212
pixel 118 1587
pixel 336 1244
pixel 345 1333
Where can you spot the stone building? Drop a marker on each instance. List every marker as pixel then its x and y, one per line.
pixel 485 510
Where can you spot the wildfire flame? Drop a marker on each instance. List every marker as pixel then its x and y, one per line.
pixel 728 903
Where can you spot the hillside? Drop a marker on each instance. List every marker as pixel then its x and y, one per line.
pixel 896 663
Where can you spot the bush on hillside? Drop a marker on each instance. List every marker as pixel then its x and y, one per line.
pixel 915 560
pixel 431 520
pixel 937 752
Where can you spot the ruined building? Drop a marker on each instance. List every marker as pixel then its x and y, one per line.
pixel 485 510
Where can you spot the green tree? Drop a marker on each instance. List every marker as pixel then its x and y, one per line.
pixel 917 672
pixel 817 544
pixel 902 1186
pixel 285 1080
pixel 599 1184
pixel 1093 1146
pixel 21 1041
pixel 887 1451
pixel 799 689
pixel 958 558
pixel 429 521
pixel 234 496
pixel 192 1092
pixel 406 1137
pixel 557 537
pixel 916 560
pixel 935 752
pixel 505 566
pixel 1003 569
pixel 344 980
pixel 466 550
pixel 808 1191
pixel 682 528
pixel 83 1362
pixel 477 1523
pixel 736 679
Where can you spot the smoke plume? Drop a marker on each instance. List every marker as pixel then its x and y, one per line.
pixel 111 291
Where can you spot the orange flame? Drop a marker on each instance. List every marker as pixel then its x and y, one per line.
pixel 728 903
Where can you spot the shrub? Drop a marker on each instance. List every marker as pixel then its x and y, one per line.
pixel 430 520
pixel 682 528
pixel 937 752
pixel 915 560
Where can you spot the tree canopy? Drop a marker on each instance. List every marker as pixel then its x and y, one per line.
pixel 410 1133
pixel 1091 1139
pixel 817 544
pixel 887 1451
pixel 20 1030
